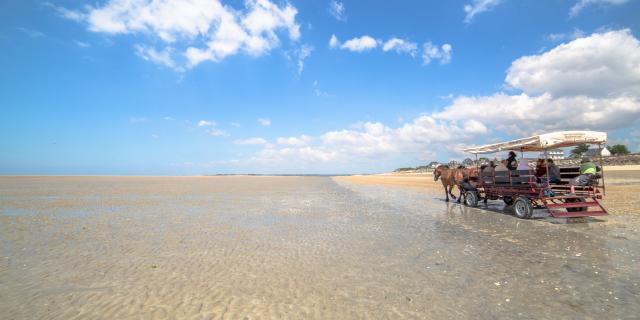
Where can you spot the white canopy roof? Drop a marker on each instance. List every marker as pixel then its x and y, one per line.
pixel 545 141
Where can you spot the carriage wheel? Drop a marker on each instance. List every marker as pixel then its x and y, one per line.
pixel 508 200
pixel 579 209
pixel 471 198
pixel 523 208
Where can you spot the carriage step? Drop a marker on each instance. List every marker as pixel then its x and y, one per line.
pixel 572 205
pixel 558 214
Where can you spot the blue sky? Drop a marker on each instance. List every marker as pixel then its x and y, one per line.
pixel 206 86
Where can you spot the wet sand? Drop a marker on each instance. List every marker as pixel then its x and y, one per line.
pixel 296 247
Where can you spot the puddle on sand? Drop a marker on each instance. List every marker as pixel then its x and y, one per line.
pixel 297 247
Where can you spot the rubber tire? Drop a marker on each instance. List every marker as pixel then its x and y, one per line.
pixel 471 199
pixel 508 200
pixel 579 209
pixel 522 208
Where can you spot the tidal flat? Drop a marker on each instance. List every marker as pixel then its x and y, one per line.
pixel 297 247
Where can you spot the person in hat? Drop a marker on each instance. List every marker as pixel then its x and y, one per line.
pixel 512 163
pixel 588 170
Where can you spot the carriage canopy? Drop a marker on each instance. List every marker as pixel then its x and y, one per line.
pixel 543 142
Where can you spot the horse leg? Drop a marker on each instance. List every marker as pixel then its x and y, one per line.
pixel 451 192
pixel 461 195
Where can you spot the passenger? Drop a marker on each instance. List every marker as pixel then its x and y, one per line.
pixel 541 169
pixel 512 163
pixel 554 172
pixel 588 170
pixel 469 183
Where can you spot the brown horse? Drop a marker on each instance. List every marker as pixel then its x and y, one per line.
pixel 452 177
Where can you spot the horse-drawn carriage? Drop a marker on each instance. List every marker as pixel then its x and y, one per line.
pixel 526 191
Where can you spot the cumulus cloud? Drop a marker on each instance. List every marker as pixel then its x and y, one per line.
pixel 603 64
pixel 431 52
pixel 333 41
pixel 251 141
pixel 478 6
pixel 524 114
pixel 163 57
pixel 580 5
pixel 206 123
pixel 198 30
pixel 336 9
pixel 549 106
pixel 264 122
pixel 215 132
pixel 300 141
pixel 588 83
pixel 400 46
pixel 360 44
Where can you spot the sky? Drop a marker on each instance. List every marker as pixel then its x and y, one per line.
pixel 167 87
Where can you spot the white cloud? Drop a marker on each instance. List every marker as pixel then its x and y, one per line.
pixel 300 54
pixel 65 13
pixel 336 9
pixel 524 114
pixel 478 6
pixel 431 52
pixel 251 141
pixel 367 43
pixel 235 124
pixel 163 57
pixel 360 44
pixel 198 30
pixel 400 46
pixel 467 118
pixel 31 32
pixel 82 44
pixel 206 123
pixel 217 133
pixel 602 64
pixel 333 42
pixel 167 118
pixel 264 122
pixel 317 91
pixel 559 37
pixel 581 4
pixel 300 141
pixel 588 83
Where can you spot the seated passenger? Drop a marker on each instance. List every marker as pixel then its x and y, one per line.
pixel 588 170
pixel 512 163
pixel 541 169
pixel 469 183
pixel 554 172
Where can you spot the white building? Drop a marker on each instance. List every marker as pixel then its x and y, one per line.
pixel 555 154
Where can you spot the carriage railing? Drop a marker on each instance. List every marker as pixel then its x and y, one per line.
pixel 526 179
pixel 514 178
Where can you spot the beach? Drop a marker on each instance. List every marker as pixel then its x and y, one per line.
pixel 239 247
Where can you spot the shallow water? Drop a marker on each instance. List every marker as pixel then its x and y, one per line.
pixel 296 247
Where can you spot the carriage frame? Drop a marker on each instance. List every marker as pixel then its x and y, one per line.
pixel 525 192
